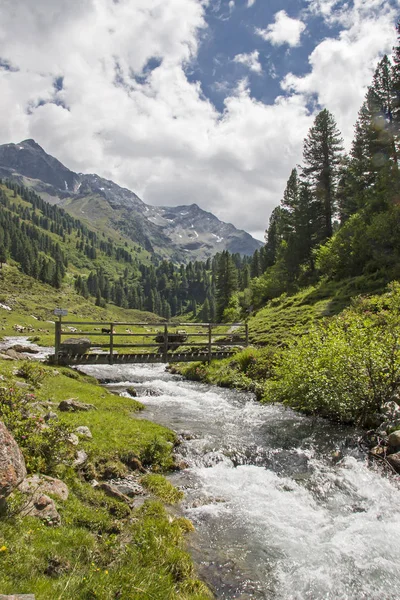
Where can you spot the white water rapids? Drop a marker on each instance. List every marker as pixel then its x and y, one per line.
pixel 276 519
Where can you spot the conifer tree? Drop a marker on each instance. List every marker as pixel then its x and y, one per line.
pixel 227 281
pixel 323 154
pixel 3 255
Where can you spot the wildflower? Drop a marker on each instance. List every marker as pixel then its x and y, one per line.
pixel 3 548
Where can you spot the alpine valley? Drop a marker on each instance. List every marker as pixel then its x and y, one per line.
pixel 180 233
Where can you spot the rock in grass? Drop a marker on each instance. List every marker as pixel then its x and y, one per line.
pixel 73 405
pixel 42 484
pixel 13 354
pixel 50 416
pixel 73 439
pixel 81 458
pixel 112 491
pixel 44 508
pixel 133 462
pixel 18 597
pixel 84 432
pixel 26 349
pixel 128 486
pixel 12 464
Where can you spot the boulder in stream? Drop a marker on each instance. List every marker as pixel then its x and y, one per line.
pixel 394 461
pixel 394 440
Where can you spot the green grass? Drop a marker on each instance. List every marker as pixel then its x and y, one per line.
pixel 145 562
pixel 162 488
pixel 287 316
pixel 33 303
pixel 102 549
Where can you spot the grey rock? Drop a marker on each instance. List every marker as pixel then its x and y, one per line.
pixel 25 349
pixel 391 410
pixel 394 439
pixel 42 484
pixel 84 432
pixel 128 486
pixel 81 458
pixel 12 464
pixel 13 354
pixel 73 439
pixel 113 492
pixel 50 416
pixel 394 460
pixel 18 597
pixel 6 357
pixel 44 508
pixel 187 435
pixel 22 385
pixel 75 346
pixel 73 405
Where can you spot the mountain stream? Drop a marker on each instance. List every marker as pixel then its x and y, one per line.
pixel 276 518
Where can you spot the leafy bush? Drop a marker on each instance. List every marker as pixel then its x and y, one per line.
pixel 346 367
pixel 32 372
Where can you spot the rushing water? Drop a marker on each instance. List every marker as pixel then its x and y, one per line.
pixel 276 518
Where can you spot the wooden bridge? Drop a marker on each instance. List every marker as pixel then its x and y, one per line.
pixel 129 343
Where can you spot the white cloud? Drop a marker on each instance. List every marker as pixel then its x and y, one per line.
pixel 324 7
pixel 341 68
pixel 155 132
pixel 250 3
pixel 250 60
pixel 285 30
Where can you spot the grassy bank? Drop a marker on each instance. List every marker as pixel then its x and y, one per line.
pixel 103 548
pixel 32 304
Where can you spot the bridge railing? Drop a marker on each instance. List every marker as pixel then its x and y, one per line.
pixel 165 338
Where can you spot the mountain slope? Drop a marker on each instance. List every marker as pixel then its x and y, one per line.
pixel 179 233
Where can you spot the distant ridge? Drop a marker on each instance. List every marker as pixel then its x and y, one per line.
pixel 179 233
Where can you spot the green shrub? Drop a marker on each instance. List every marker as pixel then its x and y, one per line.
pixel 346 367
pixel 196 371
pixel 32 372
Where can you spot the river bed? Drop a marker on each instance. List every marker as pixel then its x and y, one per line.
pixel 276 517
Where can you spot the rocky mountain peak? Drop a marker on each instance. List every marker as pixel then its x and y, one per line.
pixel 181 233
pixel 30 160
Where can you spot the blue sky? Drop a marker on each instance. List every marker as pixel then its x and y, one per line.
pixel 231 32
pixel 188 101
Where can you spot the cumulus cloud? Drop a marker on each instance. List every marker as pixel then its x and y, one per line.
pixel 250 60
pixel 250 3
pixel 341 68
pixel 102 85
pixel 284 30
